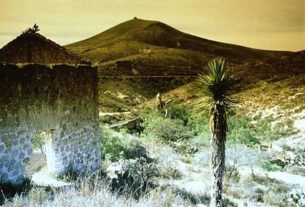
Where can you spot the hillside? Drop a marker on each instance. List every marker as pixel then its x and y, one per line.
pixel 152 43
pixel 261 84
pixel 160 58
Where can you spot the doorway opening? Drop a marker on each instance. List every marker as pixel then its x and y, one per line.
pixel 43 154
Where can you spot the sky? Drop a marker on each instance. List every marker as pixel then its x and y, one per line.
pixel 263 24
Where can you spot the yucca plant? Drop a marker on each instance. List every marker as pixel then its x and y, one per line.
pixel 216 85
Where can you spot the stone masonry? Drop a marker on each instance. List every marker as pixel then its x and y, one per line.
pixel 60 99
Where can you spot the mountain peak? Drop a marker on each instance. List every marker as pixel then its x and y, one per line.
pixel 128 30
pixel 130 39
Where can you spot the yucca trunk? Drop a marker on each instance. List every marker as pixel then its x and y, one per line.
pixel 218 128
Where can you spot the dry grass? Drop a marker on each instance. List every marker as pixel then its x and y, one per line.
pixel 97 195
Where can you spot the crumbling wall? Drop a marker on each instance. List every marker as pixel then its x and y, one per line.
pixel 60 99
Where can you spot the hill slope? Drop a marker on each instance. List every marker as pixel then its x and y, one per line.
pixel 156 49
pixel 154 43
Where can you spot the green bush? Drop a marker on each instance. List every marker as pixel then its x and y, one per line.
pixel 199 124
pixel 167 130
pixel 179 112
pixel 242 131
pixel 114 147
pixel 267 165
pixel 264 131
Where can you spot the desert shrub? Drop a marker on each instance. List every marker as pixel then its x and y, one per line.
pixel 264 131
pixel 179 112
pixel 171 173
pixel 267 165
pixel 231 173
pixel 202 199
pixel 136 177
pixel 123 131
pixel 167 130
pixel 114 146
pixel 134 150
pixel 185 147
pixel 242 131
pixel 199 124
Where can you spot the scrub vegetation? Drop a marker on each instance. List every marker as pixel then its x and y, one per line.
pixel 153 160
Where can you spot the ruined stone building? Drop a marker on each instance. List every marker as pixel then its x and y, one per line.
pixel 44 89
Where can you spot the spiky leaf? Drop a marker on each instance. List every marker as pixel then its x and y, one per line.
pixel 216 83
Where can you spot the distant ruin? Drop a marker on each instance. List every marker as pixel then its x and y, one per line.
pixel 44 88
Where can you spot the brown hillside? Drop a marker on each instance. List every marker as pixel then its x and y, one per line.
pixel 167 45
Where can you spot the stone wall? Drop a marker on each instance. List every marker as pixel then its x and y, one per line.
pixel 62 100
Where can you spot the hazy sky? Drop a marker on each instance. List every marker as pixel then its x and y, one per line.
pixel 266 24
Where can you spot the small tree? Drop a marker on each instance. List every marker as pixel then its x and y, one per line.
pixel 33 29
pixel 216 84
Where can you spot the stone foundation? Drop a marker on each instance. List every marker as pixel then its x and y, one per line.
pixel 62 100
